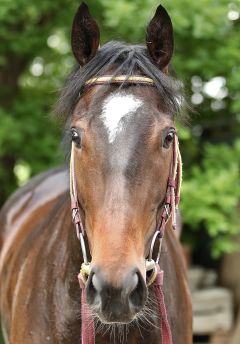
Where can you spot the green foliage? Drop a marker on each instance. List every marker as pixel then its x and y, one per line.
pixel 35 57
pixel 210 196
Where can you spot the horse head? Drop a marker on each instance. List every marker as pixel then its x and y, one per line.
pixel 122 103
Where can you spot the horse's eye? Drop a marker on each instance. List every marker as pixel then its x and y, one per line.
pixel 169 138
pixel 76 137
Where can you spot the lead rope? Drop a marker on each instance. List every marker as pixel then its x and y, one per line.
pixel 166 334
pixel 87 326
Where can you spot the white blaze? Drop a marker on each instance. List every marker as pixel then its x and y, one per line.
pixel 115 108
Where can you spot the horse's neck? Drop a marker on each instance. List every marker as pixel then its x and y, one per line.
pixel 63 252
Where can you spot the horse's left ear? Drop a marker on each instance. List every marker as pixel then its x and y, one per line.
pixel 159 38
pixel 85 35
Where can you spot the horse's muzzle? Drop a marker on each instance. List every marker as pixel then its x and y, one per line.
pixel 116 304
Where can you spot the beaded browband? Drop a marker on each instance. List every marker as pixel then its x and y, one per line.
pixel 119 79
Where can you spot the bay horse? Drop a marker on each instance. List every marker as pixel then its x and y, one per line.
pixel 120 108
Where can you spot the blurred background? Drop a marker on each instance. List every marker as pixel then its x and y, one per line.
pixel 35 58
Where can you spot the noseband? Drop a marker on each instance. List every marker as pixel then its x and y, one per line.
pixel 169 208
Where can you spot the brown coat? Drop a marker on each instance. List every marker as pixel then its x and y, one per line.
pixel 40 260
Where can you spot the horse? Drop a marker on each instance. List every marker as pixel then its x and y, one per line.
pixel 119 106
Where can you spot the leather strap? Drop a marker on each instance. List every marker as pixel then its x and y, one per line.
pixel 87 326
pixel 164 324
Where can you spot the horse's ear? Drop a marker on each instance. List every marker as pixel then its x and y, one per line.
pixel 159 38
pixel 85 35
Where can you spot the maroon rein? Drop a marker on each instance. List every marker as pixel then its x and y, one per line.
pixel 172 198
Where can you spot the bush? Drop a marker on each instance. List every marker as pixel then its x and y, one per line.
pixel 211 195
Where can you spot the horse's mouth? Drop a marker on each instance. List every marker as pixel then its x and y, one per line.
pixel 115 317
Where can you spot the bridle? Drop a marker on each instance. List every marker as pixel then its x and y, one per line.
pixel 172 196
pixel 169 209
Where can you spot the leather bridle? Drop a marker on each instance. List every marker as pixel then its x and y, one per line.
pixel 169 208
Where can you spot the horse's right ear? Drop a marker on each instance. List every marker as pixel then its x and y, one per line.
pixel 159 38
pixel 85 35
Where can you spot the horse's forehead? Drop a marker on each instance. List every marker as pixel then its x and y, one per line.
pixel 117 108
pixel 122 115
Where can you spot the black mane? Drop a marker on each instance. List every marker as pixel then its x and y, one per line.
pixel 127 60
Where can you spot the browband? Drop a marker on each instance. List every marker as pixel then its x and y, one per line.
pixel 119 79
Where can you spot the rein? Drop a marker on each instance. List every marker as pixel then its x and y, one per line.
pixel 170 206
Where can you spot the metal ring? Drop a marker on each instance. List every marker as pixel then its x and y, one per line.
pixel 150 264
pixel 159 250
pixel 152 245
pixel 83 247
pixel 153 276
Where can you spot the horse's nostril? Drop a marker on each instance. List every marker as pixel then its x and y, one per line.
pixel 92 288
pixel 96 283
pixel 134 283
pixel 137 295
